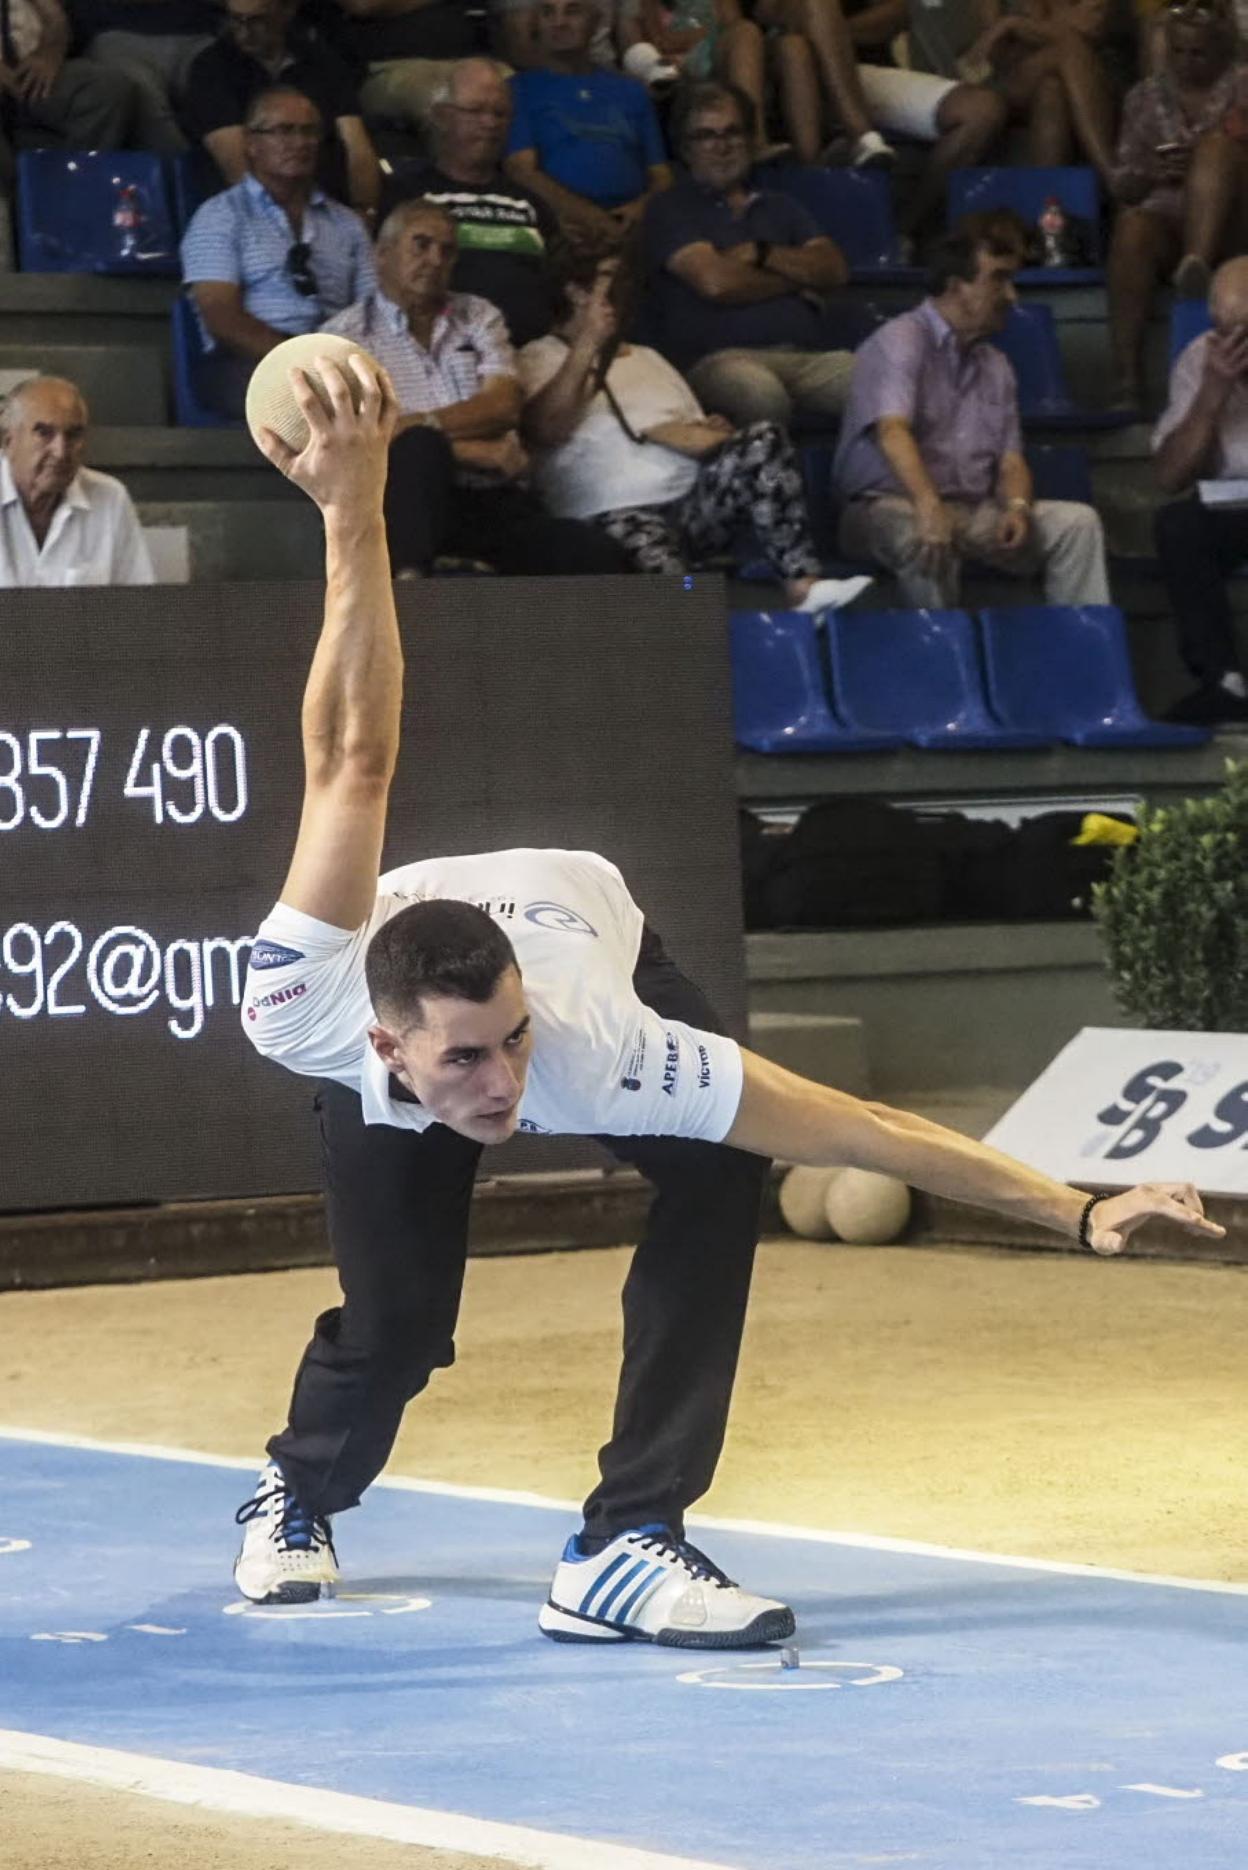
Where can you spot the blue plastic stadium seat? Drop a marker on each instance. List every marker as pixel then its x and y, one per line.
pixel 1188 319
pixel 190 404
pixel 1029 340
pixel 779 697
pixel 66 200
pixel 854 207
pixel 1026 190
pixel 1061 472
pixel 1065 671
pixel 193 178
pixel 915 673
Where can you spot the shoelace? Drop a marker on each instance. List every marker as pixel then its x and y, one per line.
pixel 299 1531
pixel 696 1563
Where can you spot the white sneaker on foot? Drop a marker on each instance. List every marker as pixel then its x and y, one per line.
pixel 833 593
pixel 872 152
pixel 647 1586
pixel 287 1555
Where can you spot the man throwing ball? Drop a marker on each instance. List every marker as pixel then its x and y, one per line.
pixel 451 1002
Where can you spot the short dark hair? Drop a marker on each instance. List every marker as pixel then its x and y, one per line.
pixel 957 256
pixel 708 94
pixel 435 949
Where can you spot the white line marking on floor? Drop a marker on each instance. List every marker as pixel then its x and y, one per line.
pixel 214 1789
pixel 759 1528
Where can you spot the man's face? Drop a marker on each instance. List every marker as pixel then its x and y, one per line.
pixel 986 301
pixel 1198 48
pixel 467 1063
pixel 44 442
pixel 472 125
pixel 565 27
pixel 717 149
pixel 284 143
pixel 415 266
pixel 258 27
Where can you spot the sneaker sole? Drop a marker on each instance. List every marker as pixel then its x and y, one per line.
pixel 570 1626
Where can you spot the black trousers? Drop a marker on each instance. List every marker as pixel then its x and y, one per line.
pixel 397 1204
pixel 1199 547
pixel 428 512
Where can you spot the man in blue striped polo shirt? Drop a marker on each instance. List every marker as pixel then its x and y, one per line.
pixel 273 256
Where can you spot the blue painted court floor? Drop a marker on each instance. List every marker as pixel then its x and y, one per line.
pixel 946 1714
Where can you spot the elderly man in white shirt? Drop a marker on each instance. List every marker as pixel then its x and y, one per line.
pixel 61 523
pixel 457 468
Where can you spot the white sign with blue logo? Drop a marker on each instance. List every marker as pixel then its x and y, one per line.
pixel 1115 1108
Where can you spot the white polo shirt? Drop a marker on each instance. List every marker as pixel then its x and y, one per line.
pixel 94 538
pixel 602 1063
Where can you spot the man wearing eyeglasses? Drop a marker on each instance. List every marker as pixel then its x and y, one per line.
pixel 505 231
pixel 273 256
pixel 264 43
pixel 738 276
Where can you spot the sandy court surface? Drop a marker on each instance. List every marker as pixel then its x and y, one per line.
pixel 1031 1404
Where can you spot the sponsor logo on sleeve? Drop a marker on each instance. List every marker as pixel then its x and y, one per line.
pixel 671 1065
pixel 704 1069
pixel 268 954
pixel 563 921
pixel 631 1081
pixel 533 1129
pixel 281 996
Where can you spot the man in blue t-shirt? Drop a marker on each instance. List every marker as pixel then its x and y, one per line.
pixel 737 275
pixel 584 139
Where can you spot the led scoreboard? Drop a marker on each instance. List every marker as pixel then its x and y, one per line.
pixel 150 784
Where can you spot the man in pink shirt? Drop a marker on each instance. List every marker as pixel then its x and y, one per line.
pixel 930 460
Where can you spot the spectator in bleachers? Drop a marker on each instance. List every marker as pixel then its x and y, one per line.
pixel 61 523
pixel 699 39
pixel 1203 435
pixel 80 104
pixel 406 49
pixel 849 52
pixel 1181 178
pixel 265 43
pixel 736 274
pixel 457 465
pixel 621 439
pixel 505 231
pixel 1062 66
pixel 153 43
pixel 585 139
pixel 274 255
pixel 514 24
pixel 930 459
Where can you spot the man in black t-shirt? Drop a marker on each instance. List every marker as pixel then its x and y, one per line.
pixel 265 44
pixel 504 231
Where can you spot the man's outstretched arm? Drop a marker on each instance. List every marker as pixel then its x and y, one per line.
pixel 352 700
pixel 789 1117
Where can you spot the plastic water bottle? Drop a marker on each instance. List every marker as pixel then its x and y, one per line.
pixel 1052 225
pixel 129 221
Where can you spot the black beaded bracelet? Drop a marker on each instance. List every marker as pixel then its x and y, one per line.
pixel 1086 1216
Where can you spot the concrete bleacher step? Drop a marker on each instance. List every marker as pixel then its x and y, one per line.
pixel 242 540
pixel 160 463
pixel 71 308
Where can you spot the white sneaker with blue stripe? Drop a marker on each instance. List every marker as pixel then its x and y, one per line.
pixel 646 1586
pixel 287 1555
